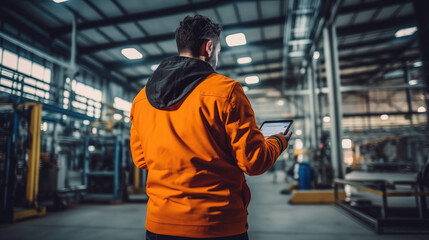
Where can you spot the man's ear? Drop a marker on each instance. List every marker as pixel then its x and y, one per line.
pixel 206 49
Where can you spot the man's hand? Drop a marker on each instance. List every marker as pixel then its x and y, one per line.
pixel 288 135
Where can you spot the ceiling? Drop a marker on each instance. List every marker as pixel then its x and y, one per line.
pixel 366 30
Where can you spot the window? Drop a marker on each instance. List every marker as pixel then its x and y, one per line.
pixel 10 60
pixel 37 84
pixel 86 91
pixel 123 105
pixel 24 66
pixel 87 98
pixel 37 71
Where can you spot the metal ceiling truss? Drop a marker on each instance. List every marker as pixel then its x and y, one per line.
pixel 141 16
pixel 370 5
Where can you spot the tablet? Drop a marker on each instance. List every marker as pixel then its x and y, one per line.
pixel 269 128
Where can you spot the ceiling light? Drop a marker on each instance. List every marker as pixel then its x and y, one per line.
pixel 421 109
pixel 413 82
pixel 298 144
pixel 347 143
pixel 236 39
pixel 384 117
pixel 86 122
pixel 244 60
pixel 298 132
pixel 154 67
pixel 405 32
pixel 245 88
pixel 326 119
pixel 60 1
pixel 280 102
pixel 418 64
pixel 251 79
pixel 316 55
pixel 117 116
pixel 131 53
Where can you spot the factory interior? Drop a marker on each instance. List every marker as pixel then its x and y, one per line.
pixel 353 75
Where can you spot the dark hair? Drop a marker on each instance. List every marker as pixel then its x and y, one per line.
pixel 193 31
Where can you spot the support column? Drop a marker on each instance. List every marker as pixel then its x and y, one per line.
pixel 313 108
pixel 408 94
pixel 330 46
pixel 422 17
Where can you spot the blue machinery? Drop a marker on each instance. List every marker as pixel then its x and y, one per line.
pixel 114 172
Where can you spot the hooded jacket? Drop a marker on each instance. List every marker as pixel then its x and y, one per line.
pixel 195 132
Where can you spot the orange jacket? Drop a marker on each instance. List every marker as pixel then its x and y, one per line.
pixel 196 152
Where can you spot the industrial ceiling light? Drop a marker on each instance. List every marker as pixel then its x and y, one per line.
pixel 154 67
pixel 298 144
pixel 384 117
pixel 316 55
pixel 60 1
pixel 280 102
pixel 418 64
pixel 347 143
pixel 326 119
pixel 298 132
pixel 251 79
pixel 413 82
pixel 244 60
pixel 236 39
pixel 421 109
pixel 245 88
pixel 131 53
pixel 405 32
pixel 117 116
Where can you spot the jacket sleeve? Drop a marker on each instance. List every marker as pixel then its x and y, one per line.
pixel 254 154
pixel 135 145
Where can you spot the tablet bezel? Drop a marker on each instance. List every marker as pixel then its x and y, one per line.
pixel 277 121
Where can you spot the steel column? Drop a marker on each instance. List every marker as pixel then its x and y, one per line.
pixel 330 46
pixel 116 169
pixel 420 12
pixel 286 34
pixel 312 97
pixel 408 94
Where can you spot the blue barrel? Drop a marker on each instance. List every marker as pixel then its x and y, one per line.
pixel 304 180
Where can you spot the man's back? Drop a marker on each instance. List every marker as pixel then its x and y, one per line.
pixel 195 131
pixel 193 177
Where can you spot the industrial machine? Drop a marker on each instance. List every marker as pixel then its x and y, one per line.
pixel 20 161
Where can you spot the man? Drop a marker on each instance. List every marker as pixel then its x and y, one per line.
pixel 195 131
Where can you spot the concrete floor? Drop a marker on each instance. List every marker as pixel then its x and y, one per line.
pixel 270 218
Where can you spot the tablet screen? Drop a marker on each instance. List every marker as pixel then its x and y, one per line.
pixel 272 128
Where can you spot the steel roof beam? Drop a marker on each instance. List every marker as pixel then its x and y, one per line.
pixel 170 36
pixel 226 68
pixel 370 5
pixel 260 45
pixel 395 23
pixel 141 16
pixel 270 44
